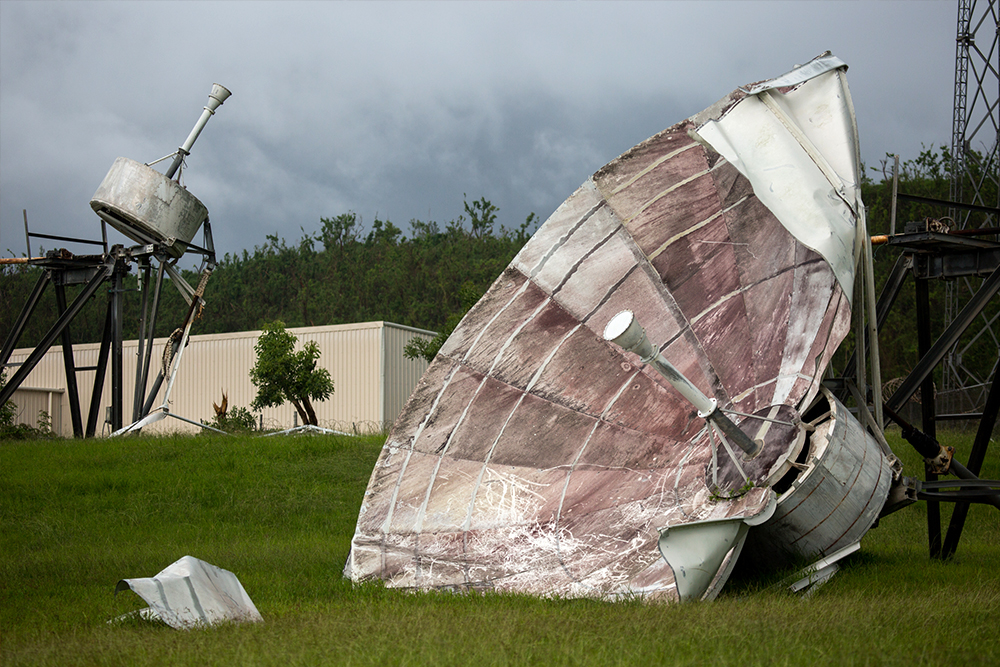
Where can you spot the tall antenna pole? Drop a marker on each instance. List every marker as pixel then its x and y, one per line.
pixel 974 169
pixel 218 95
pixel 962 41
pixel 976 111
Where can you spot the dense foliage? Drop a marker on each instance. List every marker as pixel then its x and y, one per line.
pixel 927 175
pixel 11 430
pixel 429 277
pixel 424 348
pixel 281 374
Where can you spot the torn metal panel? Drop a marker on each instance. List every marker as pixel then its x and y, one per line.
pixel 799 150
pixel 534 456
pixel 703 552
pixel 809 579
pixel 190 592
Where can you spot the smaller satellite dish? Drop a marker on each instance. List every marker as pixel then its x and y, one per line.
pixel 150 207
pixel 146 206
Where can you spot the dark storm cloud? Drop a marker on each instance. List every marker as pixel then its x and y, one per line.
pixel 398 109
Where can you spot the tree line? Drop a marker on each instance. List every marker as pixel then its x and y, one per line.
pixel 341 274
pixel 928 175
pixel 430 276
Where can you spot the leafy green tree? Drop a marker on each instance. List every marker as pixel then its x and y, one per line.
pixel 927 175
pixel 482 216
pixel 281 374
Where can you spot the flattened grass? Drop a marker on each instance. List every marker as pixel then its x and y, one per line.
pixel 76 516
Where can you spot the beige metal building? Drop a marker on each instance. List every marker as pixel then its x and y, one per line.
pixel 372 379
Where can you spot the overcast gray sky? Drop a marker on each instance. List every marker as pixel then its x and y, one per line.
pixel 396 109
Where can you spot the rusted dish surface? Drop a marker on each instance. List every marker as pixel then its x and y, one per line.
pixel 536 457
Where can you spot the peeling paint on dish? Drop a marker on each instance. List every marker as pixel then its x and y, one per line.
pixel 536 457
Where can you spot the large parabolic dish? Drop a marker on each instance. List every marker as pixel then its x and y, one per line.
pixel 535 456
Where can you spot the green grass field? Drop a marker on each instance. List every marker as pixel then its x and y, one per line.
pixel 77 516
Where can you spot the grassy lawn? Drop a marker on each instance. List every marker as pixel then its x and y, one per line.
pixel 77 516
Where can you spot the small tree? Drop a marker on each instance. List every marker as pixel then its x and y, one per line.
pixel 281 374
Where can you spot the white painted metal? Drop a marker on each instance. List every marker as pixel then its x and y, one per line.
pixel 809 579
pixel 145 206
pixel 833 502
pixel 696 551
pixel 624 331
pixel 218 95
pixel 805 173
pixel 872 320
pixel 190 592
pixel 699 552
pixel 815 67
pixel 171 374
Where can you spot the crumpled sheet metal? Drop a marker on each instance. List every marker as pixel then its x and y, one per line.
pixel 190 592
pixel 800 152
pixel 535 457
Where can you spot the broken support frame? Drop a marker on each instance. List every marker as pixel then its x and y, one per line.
pixel 928 255
pixel 61 269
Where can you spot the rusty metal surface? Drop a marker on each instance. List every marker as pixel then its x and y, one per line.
pixel 536 457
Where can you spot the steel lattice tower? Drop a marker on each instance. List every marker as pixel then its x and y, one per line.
pixel 974 170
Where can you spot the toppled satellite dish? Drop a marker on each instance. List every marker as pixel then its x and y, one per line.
pixel 150 207
pixel 190 592
pixel 536 456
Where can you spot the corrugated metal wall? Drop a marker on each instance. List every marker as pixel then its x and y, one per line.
pixel 31 401
pixel 371 377
pixel 401 374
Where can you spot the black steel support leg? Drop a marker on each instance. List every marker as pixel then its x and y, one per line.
pixel 102 368
pixel 49 338
pixel 143 322
pixel 928 410
pixel 933 354
pixel 69 364
pixel 144 359
pixel 29 307
pixel 117 409
pixel 976 458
